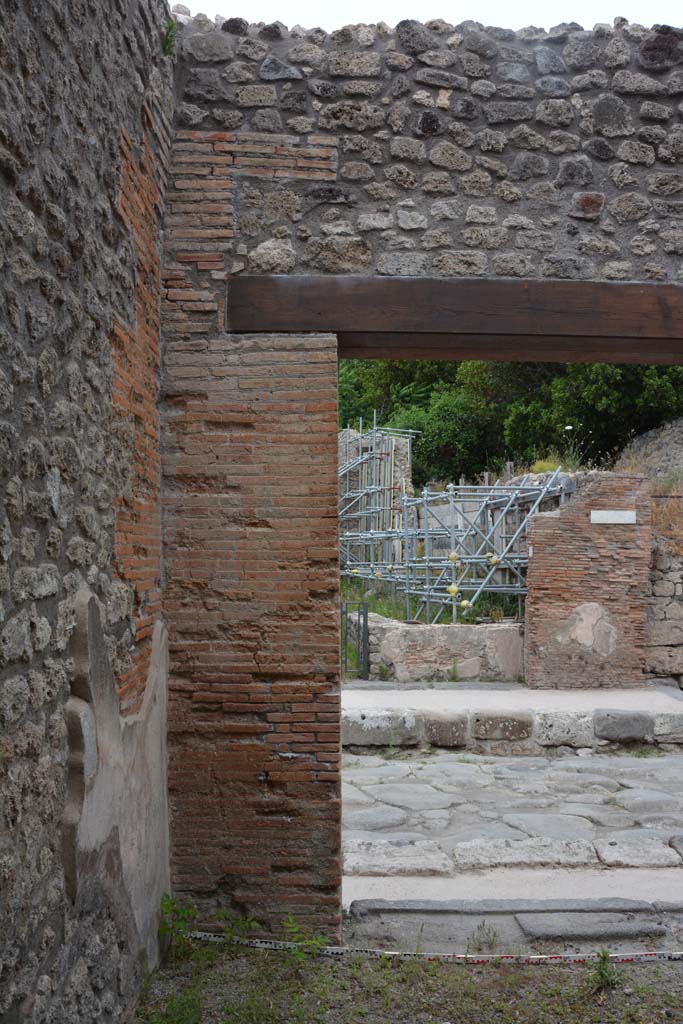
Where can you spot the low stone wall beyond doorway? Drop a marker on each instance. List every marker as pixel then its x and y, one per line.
pixel 410 652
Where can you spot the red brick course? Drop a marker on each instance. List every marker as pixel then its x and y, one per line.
pixel 574 562
pixel 136 359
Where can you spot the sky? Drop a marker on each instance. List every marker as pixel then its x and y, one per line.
pixel 490 12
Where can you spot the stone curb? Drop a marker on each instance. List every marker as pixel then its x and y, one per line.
pixel 361 908
pixel 567 921
pixel 517 732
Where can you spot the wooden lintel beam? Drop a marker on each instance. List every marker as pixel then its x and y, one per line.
pixel 510 348
pixel 428 306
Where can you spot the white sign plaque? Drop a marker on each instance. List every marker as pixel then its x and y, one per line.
pixel 616 515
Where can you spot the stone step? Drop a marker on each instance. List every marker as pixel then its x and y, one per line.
pixel 512 720
pixel 522 925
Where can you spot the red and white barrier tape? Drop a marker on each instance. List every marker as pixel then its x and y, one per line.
pixel 530 959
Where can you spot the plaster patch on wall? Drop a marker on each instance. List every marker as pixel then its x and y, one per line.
pixel 116 791
pixel 590 626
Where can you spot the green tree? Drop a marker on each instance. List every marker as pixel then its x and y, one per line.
pixel 459 433
pixel 474 415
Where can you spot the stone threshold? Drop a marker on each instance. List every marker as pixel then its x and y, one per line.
pixel 513 720
pixel 515 925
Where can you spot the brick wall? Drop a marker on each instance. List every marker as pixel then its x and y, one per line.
pixel 586 606
pixel 250 533
pixel 252 605
pixel 137 360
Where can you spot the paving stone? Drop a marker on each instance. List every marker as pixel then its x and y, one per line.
pixel 376 817
pixel 453 773
pixel 583 780
pixel 384 772
pixel 482 853
pixel 646 801
pixel 415 796
pixel 385 857
pixel 589 797
pixel 568 927
pixel 636 853
pixel 352 795
pixel 599 814
pixel 397 838
pixel 627 835
pixel 551 826
pixel 479 831
pixel 676 843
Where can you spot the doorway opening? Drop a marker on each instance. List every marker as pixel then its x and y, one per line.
pixel 458 781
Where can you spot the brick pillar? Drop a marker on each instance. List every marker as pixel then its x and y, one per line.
pixel 252 606
pixel 588 589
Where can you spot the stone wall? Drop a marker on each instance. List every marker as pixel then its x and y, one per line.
pixel 253 611
pixel 588 587
pixel 658 455
pixel 84 114
pixel 664 643
pixel 455 151
pixel 409 653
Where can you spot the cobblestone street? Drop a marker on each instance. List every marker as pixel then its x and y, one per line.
pixel 440 813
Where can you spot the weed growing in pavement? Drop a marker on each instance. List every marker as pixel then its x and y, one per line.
pixel 484 939
pixel 646 750
pixel 604 976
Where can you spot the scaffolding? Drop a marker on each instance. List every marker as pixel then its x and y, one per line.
pixel 441 549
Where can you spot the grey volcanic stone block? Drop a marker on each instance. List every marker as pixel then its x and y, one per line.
pixel 494 725
pixel 378 816
pixel 669 727
pixel 446 730
pixel 210 47
pixel 564 729
pixel 647 802
pixel 416 796
pixel 384 857
pixel 637 853
pixel 624 726
pixel 413 37
pixel 496 853
pixel 551 826
pixel 568 927
pixel 502 111
pixel 379 728
pixel 274 69
pixel 355 65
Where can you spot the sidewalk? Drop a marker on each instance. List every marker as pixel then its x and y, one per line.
pixel 510 719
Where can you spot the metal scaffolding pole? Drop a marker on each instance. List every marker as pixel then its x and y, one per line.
pixel 443 548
